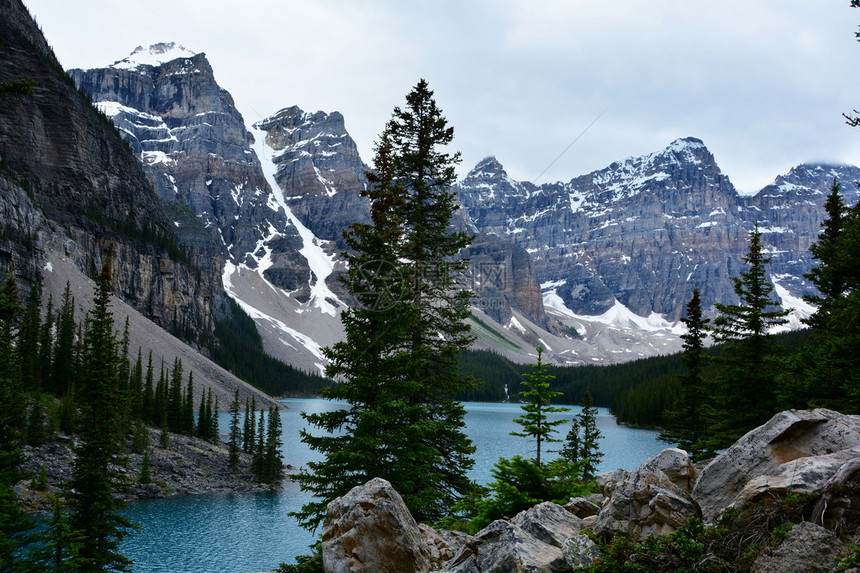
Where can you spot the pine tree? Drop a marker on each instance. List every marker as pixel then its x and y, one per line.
pixel 145 469
pixel 272 462
pixel 538 406
pixel 188 406
pixel 175 399
pixel 64 365
pixel 572 449
pixel 398 363
pixel 56 548
pixel 46 344
pixel 249 429
pixel 747 384
pixel 685 424
pixel 14 525
pixel 94 510
pixel 828 374
pixel 148 399
pixel 589 451
pixel 136 387
pixel 235 440
pixel 29 336
pixel 259 448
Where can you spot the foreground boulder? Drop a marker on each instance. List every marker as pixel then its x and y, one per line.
pixel 796 450
pixel 504 547
pixel 370 530
pixel 542 539
pixel 809 548
pixel 654 499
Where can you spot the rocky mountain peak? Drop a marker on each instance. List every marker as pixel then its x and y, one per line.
pixel 153 55
pixel 318 169
pixel 487 168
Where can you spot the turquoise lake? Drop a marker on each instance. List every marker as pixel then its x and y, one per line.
pixel 240 533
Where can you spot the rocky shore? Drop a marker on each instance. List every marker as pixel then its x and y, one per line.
pixel 188 466
pixel 813 453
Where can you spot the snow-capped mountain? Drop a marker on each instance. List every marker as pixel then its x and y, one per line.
pixel 202 158
pixel 645 231
pixel 596 269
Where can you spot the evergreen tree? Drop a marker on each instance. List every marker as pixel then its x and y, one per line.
pixel 14 525
pixel 259 448
pixel 272 461
pixel 248 432
pixel 747 383
pixel 175 399
pixel 589 452
pixel 572 449
pixel 148 399
pixel 64 367
pixel 94 510
pixel 235 441
pixel 204 415
pixel 145 469
pixel 29 336
pixel 538 406
pixel 188 407
pixel 399 360
pixel 35 425
pixel 46 345
pixel 136 387
pixel 828 374
pixel 56 548
pixel 685 424
pixel 213 421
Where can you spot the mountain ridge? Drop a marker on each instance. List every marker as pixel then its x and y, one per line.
pixel 621 245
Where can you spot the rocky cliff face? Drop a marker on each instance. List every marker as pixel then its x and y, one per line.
pixel 645 231
pixel 85 194
pixel 319 170
pixel 220 181
pixel 192 143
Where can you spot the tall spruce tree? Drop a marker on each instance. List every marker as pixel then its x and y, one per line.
pixel 831 371
pixel 94 510
pixel 14 525
pixel 398 363
pixel 686 422
pixel 589 448
pixel 746 394
pixel 272 463
pixel 538 397
pixel 234 442
pixel 64 366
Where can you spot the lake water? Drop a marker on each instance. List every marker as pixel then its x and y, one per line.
pixel 235 533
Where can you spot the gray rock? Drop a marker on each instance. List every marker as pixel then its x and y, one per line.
pixel 763 459
pixel 502 547
pixel 370 530
pixel 588 522
pixel 583 507
pixel 653 499
pixel 548 522
pixel 809 548
pixel 580 551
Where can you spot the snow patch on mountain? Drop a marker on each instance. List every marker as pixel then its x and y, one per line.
pixel 619 316
pixel 320 262
pixel 799 308
pixel 153 55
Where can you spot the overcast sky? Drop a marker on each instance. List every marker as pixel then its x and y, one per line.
pixel 763 83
